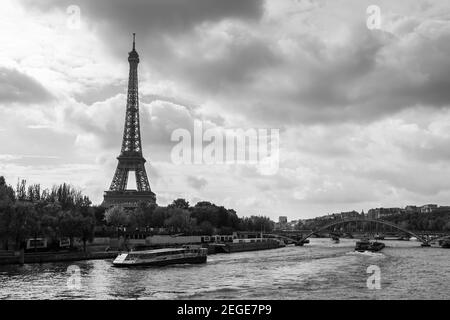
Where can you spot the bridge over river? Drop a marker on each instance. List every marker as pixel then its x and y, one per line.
pixel 425 240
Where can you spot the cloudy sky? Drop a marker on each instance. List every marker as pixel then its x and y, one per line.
pixel 363 114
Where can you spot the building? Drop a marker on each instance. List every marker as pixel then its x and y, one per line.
pixel 350 215
pixel 428 208
pixel 282 223
pixel 291 225
pixel 442 210
pixel 343 215
pixel 282 220
pixel 412 209
pixel 380 213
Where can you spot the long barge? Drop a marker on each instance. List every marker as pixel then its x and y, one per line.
pixel 242 245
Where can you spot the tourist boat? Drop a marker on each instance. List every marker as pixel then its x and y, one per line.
pixel 301 243
pixel 366 245
pixel 445 243
pixel 162 257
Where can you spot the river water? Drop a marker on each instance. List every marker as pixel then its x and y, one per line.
pixel 319 270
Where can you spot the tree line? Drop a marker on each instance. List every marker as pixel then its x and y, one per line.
pixel 29 211
pixel 203 218
pixel 433 221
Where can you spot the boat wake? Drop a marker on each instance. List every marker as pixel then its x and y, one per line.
pixel 365 253
pixel 213 290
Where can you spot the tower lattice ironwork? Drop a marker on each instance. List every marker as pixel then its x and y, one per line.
pixel 130 158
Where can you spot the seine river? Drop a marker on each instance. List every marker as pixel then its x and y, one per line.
pixel 320 270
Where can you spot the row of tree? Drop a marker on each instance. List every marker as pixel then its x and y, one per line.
pixel 64 212
pixel 434 221
pixel 180 217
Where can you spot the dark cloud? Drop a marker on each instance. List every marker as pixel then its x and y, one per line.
pixel 157 15
pixel 241 63
pixel 153 20
pixel 162 27
pixel 197 182
pixel 360 75
pixel 371 76
pixel 17 87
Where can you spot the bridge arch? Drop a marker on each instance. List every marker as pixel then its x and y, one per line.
pixel 420 238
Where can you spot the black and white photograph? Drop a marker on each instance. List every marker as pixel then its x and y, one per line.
pixel 225 150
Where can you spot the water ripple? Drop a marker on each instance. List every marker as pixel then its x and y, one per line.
pixel 321 270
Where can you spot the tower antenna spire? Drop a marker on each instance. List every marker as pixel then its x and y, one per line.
pixel 134 41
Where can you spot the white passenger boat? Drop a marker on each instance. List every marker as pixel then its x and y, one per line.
pixel 162 257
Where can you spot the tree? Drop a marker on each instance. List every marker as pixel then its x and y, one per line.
pixel 50 220
pixel 34 224
pixel 206 211
pixel 142 216
pixel 70 225
pixel 22 222
pixel 257 223
pixel 179 203
pixel 447 226
pixel 206 228
pixel 87 229
pixel 6 216
pixel 21 190
pixel 7 195
pixel 299 225
pixel 34 193
pixel 180 220
pixel 99 214
pixel 6 201
pixel 30 212
pixel 160 214
pixel 117 216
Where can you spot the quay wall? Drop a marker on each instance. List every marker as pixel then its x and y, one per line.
pixel 56 257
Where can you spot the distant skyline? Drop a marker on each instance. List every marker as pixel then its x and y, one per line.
pixel 363 114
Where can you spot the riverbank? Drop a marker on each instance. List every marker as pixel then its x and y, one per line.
pixel 16 258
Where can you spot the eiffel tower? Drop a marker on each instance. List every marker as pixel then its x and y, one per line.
pixel 130 158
